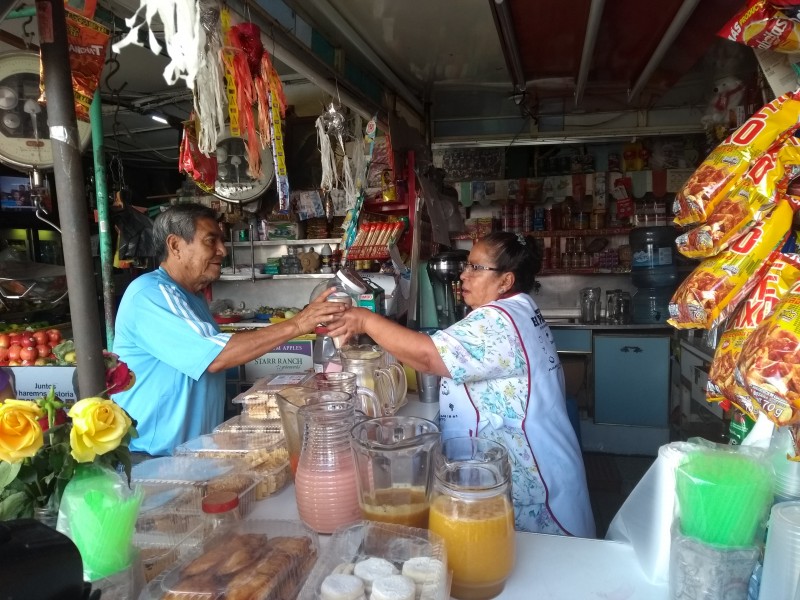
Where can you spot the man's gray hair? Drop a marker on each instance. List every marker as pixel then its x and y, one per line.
pixel 181 220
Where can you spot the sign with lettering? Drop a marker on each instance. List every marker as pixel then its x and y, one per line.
pixel 34 382
pixel 295 356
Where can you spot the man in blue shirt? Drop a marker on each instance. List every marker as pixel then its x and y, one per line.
pixel 168 338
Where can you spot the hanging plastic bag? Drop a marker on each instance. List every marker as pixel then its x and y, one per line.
pixel 135 233
pixel 201 168
pixel 760 25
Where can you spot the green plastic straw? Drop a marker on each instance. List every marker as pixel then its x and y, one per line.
pixel 723 497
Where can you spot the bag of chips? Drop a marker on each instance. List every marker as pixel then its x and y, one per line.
pixel 760 24
pixel 722 384
pixel 201 168
pixel 769 367
pixel 710 183
pixel 750 201
pixel 714 289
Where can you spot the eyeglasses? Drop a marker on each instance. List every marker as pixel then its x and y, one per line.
pixel 472 268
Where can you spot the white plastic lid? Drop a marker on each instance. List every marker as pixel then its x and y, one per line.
pixel 351 281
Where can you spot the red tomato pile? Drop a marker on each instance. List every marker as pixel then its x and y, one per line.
pixel 27 348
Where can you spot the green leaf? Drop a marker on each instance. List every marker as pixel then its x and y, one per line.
pixel 14 506
pixel 8 473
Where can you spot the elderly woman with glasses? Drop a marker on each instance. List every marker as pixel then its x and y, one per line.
pixel 501 380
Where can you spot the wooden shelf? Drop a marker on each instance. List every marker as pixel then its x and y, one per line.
pixel 580 271
pixel 286 242
pixel 580 232
pixel 385 206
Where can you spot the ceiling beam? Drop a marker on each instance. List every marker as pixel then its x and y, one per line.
pixel 589 42
pixel 384 70
pixel 681 17
pixel 504 23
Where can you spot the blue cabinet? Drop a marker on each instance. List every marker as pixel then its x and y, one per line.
pixel 631 379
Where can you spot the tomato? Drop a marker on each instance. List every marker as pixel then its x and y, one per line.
pixel 3 353
pixel 43 350
pixel 27 363
pixel 29 354
pixel 13 352
pixel 5 340
pixel 52 344
pixel 3 363
pixel 14 338
pixel 54 335
pixel 40 337
pixel 27 341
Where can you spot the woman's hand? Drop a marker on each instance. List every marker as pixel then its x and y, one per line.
pixel 349 323
pixel 318 311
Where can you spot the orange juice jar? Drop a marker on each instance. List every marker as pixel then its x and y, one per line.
pixel 471 509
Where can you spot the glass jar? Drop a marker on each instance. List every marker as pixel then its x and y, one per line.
pixel 325 482
pixel 471 509
pixel 324 351
pixel 220 511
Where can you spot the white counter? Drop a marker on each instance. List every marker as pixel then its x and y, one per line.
pixel 548 566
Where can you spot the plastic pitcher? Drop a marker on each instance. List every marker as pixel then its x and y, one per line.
pixel 364 399
pixel 369 364
pixel 394 468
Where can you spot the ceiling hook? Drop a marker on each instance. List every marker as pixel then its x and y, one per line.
pixel 27 35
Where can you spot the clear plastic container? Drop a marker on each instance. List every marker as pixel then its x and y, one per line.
pixel 262 454
pixel 270 559
pixel 259 401
pixel 220 511
pixel 418 554
pixel 653 262
pixel 246 424
pixel 193 478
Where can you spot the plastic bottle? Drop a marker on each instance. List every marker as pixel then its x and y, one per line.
pixel 325 255
pixel 221 511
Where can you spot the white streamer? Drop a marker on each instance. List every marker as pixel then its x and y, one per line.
pixel 329 175
pixel 183 36
pixel 209 99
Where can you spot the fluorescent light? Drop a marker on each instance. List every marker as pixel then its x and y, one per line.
pixel 159 119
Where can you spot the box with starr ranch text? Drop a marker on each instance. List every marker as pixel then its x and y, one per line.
pixel 295 356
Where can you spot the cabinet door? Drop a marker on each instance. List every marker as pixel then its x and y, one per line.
pixel 631 380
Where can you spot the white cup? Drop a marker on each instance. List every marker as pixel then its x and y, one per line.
pixel 782 553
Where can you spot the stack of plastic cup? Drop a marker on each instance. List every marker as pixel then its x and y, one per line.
pixel 782 553
pixel 723 497
pixel 787 472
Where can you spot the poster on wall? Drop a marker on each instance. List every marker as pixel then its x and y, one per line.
pixel 474 164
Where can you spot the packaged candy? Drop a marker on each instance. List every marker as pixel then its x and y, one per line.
pixel 722 384
pixel 712 181
pixel 713 290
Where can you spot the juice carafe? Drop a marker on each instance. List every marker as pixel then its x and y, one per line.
pixel 394 468
pixel 471 509
pixel 325 482
pixel 364 399
pixel 388 381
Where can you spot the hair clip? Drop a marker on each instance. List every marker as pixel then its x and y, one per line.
pixel 521 239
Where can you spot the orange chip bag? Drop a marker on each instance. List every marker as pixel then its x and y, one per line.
pixel 720 171
pixel 713 290
pixel 761 25
pixel 722 384
pixel 769 367
pixel 87 56
pixel 748 202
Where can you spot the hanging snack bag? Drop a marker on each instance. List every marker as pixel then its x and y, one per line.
pixel 763 299
pixel 769 367
pixel 710 183
pixel 201 168
pixel 713 290
pixel 750 201
pixel 760 25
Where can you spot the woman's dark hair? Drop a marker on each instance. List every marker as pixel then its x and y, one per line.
pixel 518 254
pixel 181 220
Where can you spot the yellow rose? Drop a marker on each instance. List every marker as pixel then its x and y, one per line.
pixel 20 432
pixel 98 426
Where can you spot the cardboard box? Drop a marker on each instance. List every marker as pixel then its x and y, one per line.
pixel 295 356
pixel 34 382
pixel 373 299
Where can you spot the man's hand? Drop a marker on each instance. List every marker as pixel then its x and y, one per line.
pixel 318 311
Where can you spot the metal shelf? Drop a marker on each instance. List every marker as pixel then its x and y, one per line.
pixel 306 276
pixel 286 242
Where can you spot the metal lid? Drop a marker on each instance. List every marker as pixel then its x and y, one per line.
pixel 352 281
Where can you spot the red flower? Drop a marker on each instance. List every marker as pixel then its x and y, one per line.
pixel 59 418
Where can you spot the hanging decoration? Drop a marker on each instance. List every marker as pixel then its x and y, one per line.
pixel 87 42
pixel 209 94
pixel 350 224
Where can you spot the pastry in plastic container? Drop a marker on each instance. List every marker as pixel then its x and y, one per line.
pixel 404 563
pixel 264 455
pixel 259 401
pixel 245 424
pixel 196 477
pixel 253 560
